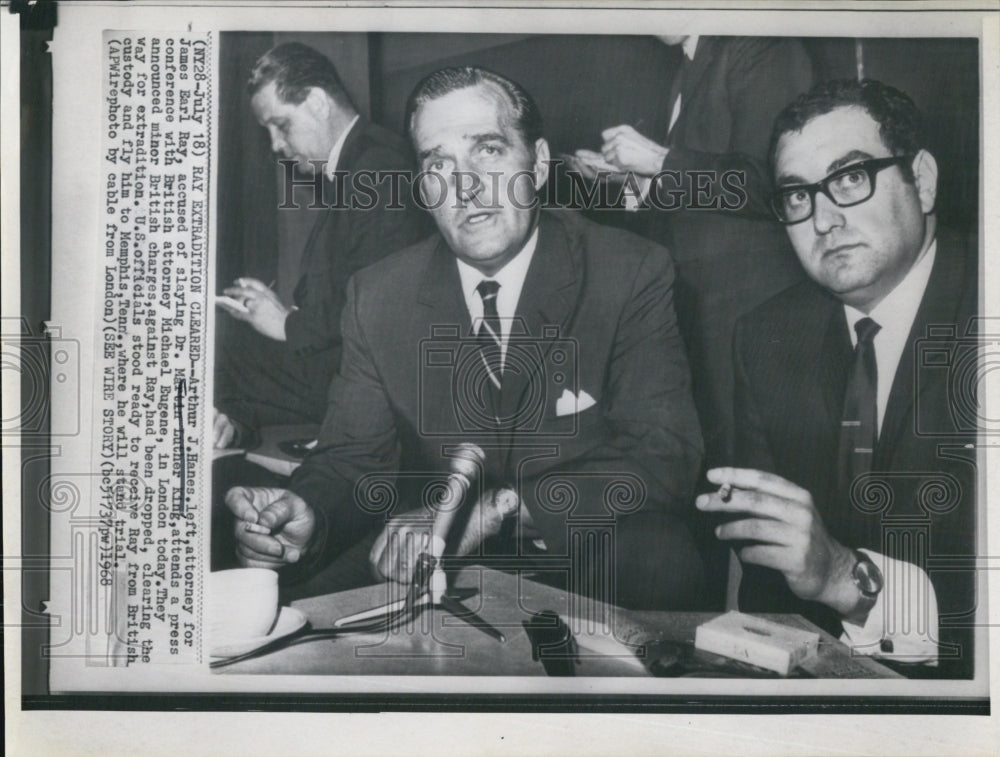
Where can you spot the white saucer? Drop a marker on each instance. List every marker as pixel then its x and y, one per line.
pixel 289 621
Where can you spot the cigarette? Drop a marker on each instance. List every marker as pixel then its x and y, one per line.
pixel 256 528
pixel 726 492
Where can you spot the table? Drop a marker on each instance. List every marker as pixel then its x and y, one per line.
pixel 437 643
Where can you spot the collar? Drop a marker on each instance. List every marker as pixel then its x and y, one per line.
pixel 334 157
pixel 689 46
pixel 510 278
pixel 897 311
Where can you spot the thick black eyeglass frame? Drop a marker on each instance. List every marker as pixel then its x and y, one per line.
pixel 871 168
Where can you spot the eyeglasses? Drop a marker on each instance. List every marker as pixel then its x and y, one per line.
pixel 847 186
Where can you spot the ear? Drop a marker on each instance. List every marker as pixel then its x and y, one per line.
pixel 925 175
pixel 541 166
pixel 318 103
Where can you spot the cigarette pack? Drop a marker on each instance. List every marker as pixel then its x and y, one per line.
pixel 756 641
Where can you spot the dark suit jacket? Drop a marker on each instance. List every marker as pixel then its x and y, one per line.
pixel 344 240
pixel 598 317
pixel 728 261
pixel 793 356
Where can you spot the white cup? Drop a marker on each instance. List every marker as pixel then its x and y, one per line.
pixel 242 603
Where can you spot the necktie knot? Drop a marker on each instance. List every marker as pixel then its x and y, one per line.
pixel 488 290
pixel 866 329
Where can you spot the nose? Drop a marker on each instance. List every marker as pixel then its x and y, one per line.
pixel 826 214
pixel 468 185
pixel 277 143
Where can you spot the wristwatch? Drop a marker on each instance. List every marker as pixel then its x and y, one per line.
pixel 868 578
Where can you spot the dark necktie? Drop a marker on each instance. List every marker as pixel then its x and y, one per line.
pixel 859 423
pixel 676 92
pixel 489 338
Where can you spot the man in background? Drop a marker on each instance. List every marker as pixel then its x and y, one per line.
pixel 855 504
pixel 276 366
pixel 703 191
pixel 729 252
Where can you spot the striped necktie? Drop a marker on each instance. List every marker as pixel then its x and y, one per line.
pixel 859 423
pixel 489 334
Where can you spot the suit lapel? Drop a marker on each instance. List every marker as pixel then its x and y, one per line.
pixel 547 301
pixel 352 146
pixel 835 363
pixel 444 319
pixel 938 308
pixel 313 244
pixel 336 195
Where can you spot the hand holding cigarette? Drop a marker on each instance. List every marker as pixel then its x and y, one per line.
pixel 776 525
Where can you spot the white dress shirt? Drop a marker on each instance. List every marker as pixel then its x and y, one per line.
pixel 905 612
pixel 334 157
pixel 511 280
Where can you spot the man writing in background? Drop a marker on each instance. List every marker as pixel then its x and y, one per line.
pixel 276 369
pixel 857 472
pixel 729 252
pixel 616 418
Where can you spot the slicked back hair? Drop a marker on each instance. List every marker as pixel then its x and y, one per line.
pixel 295 69
pixel 899 120
pixel 527 117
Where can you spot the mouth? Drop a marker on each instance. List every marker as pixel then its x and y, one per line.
pixel 477 219
pixel 840 249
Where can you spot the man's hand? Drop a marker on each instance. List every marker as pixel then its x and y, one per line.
pixel 786 533
pixel 592 165
pixel 395 552
pixel 273 526
pixel 630 151
pixel 223 430
pixel 264 310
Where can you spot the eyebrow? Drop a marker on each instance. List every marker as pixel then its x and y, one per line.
pixel 851 157
pixel 489 136
pixel 424 154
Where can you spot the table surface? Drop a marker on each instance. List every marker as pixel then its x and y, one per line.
pixel 436 643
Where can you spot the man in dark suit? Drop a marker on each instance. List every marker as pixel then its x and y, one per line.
pixel 276 368
pixel 547 340
pixel 705 189
pixel 856 504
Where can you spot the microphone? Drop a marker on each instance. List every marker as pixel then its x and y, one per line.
pixel 465 466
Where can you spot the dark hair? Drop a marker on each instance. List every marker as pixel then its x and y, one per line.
pixel 527 117
pixel 899 121
pixel 295 68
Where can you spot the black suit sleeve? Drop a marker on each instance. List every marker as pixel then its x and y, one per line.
pixel 358 437
pixel 378 222
pixel 752 449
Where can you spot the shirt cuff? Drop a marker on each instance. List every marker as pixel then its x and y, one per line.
pixel 903 624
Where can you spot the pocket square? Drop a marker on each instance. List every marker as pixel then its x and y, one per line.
pixel 570 404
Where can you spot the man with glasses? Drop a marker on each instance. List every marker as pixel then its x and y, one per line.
pixel 854 501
